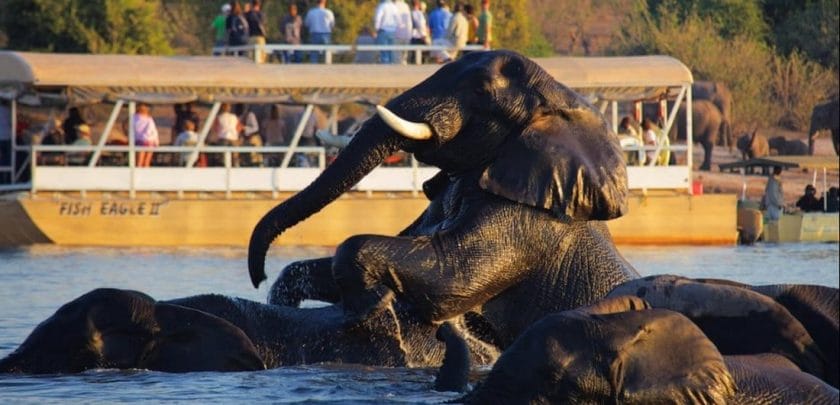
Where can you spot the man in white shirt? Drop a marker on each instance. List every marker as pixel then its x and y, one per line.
pixel 404 29
pixel 319 21
pixel 385 24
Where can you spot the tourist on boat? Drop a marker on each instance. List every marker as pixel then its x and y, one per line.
pixel 53 135
pixel 183 113
pixel 187 137
pixel 145 134
pixel 649 138
pixel 274 131
pixel 73 120
pixel 809 201
pixel 250 134
pixel 256 29
pixel 5 134
pixel 385 24
pixel 832 203
pixel 226 130
pixel 365 37
pixel 83 139
pixel 773 200
pixel 419 27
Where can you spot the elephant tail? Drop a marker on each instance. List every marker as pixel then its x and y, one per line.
pixel 454 372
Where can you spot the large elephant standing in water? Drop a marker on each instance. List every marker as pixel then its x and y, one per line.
pixel 825 116
pixel 513 231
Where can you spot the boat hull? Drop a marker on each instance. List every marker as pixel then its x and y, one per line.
pixel 804 227
pixel 169 220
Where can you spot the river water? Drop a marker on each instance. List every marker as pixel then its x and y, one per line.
pixel 35 281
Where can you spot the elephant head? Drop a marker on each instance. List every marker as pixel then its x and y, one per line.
pixel 825 116
pixel 533 141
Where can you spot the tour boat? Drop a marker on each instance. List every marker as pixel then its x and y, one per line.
pixel 112 202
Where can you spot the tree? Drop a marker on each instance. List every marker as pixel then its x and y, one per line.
pixel 813 30
pixel 98 26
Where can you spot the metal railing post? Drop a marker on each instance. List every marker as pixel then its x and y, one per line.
pixel 132 106
pixel 296 138
pixel 104 137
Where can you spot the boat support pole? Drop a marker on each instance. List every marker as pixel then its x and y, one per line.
pixel 202 137
pixel 105 132
pixel 304 118
pixel 669 122
pixel 131 157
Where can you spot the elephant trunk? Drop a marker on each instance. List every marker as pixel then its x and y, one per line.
pixel 370 146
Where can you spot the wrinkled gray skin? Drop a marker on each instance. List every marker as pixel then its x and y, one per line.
pixel 109 328
pixel 706 125
pixel 787 147
pixel 619 350
pixel 825 116
pixel 753 145
pixel 721 97
pixel 799 322
pixel 528 168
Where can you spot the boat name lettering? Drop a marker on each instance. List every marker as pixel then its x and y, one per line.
pixel 110 209
pixel 74 209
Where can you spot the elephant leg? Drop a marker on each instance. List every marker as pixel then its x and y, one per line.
pixel 439 284
pixel 305 279
pixel 707 155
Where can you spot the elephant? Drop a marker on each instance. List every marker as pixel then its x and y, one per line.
pixel 706 128
pixel 112 328
pixel 825 117
pixel 753 145
pixel 514 229
pixel 719 94
pixel 623 349
pixel 787 147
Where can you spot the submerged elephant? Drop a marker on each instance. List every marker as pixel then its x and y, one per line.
pixel 825 116
pixel 512 231
pixel 110 328
pixel 621 350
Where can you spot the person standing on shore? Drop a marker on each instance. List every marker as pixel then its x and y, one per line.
pixel 319 21
pixel 485 25
pixel 256 30
pixel 385 25
pixel 773 201
pixel 291 34
pixel 219 29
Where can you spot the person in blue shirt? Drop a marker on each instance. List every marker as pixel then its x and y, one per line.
pixel 439 27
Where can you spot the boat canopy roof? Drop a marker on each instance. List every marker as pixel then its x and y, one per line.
pixel 85 78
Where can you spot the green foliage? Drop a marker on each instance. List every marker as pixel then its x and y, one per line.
pixel 99 26
pixel 813 30
pixel 768 89
pixel 730 18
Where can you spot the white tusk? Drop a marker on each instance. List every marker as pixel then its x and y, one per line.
pixel 418 131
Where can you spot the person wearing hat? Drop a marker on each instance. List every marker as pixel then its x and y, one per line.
pixel 83 139
pixel 220 29
pixel 809 202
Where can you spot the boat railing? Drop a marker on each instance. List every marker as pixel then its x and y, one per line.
pixel 224 169
pixel 254 51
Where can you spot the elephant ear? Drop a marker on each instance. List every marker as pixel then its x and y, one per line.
pixel 567 162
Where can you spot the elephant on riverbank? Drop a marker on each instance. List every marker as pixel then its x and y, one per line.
pixel 624 349
pixel 753 145
pixel 512 231
pixel 779 145
pixel 706 128
pixel 825 116
pixel 719 94
pixel 110 328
